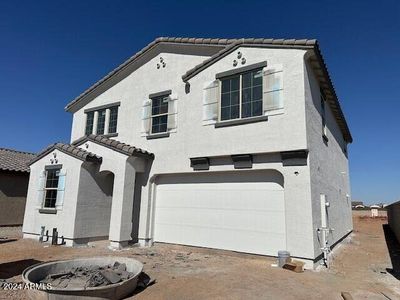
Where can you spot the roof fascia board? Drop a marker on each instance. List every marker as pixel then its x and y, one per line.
pixel 85 139
pixel 331 96
pixel 55 147
pixel 196 70
pixel 134 63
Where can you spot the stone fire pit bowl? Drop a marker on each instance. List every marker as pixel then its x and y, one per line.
pixel 34 274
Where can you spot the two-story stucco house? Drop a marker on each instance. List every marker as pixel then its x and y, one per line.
pixel 236 144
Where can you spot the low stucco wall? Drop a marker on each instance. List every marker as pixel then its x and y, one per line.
pixel 13 190
pixel 393 213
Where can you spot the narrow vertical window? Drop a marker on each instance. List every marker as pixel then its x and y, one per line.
pixel 112 128
pixel 323 115
pixel 252 94
pixel 52 176
pixel 159 114
pixel 230 98
pixel 101 120
pixel 89 123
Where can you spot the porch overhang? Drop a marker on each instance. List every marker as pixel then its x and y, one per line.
pixel 70 150
pixel 114 145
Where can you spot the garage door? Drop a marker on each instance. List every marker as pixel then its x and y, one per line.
pixel 239 211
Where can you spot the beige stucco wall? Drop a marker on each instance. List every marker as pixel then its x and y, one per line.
pixel 13 190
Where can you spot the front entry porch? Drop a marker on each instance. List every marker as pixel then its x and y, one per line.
pixel 125 164
pixel 87 191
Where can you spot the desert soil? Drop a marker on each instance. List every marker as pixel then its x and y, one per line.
pixel 360 265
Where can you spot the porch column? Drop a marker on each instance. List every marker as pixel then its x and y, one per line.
pixel 122 206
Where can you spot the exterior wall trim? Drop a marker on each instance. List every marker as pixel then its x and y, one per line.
pixel 162 93
pixel 102 107
pixel 241 70
pixel 241 121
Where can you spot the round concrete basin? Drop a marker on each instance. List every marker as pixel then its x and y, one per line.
pixel 34 274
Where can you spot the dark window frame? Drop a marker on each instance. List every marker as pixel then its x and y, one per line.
pixel 241 114
pixel 159 113
pixel 113 121
pixel 101 120
pixel 98 109
pixel 323 115
pixel 50 192
pixel 89 122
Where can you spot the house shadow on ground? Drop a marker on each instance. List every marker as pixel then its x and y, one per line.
pixel 14 268
pixel 394 251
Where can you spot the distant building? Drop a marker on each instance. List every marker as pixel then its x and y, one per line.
pixel 357 204
pixel 14 178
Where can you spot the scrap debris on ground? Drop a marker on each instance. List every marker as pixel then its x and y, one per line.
pixel 89 276
pixel 361 266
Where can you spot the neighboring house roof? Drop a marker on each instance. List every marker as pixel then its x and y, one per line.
pixel 354 203
pixel 114 145
pixel 375 206
pixel 217 49
pixel 13 160
pixel 359 206
pixel 71 150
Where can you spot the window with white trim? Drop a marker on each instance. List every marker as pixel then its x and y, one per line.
pixel 159 114
pixel 51 188
pixel 242 95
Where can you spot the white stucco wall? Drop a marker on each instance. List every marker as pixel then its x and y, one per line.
pixel 64 219
pixel 328 166
pixel 297 126
pixel 282 132
pixel 93 203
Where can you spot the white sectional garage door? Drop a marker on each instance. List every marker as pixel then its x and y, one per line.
pixel 242 211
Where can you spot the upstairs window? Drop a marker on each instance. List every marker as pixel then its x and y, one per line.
pixel 112 127
pixel 51 188
pixel 242 96
pixel 323 115
pixel 89 123
pixel 159 114
pixel 252 94
pixel 101 121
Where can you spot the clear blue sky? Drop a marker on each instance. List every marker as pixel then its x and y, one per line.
pixel 50 51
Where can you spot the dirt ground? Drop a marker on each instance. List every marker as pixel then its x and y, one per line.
pixel 360 265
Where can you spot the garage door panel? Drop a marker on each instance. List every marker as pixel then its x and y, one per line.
pixel 222 198
pixel 263 221
pixel 239 216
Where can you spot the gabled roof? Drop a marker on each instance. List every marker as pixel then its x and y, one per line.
pixel 236 43
pixel 216 49
pixel 193 46
pixel 13 160
pixel 71 150
pixel 114 145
